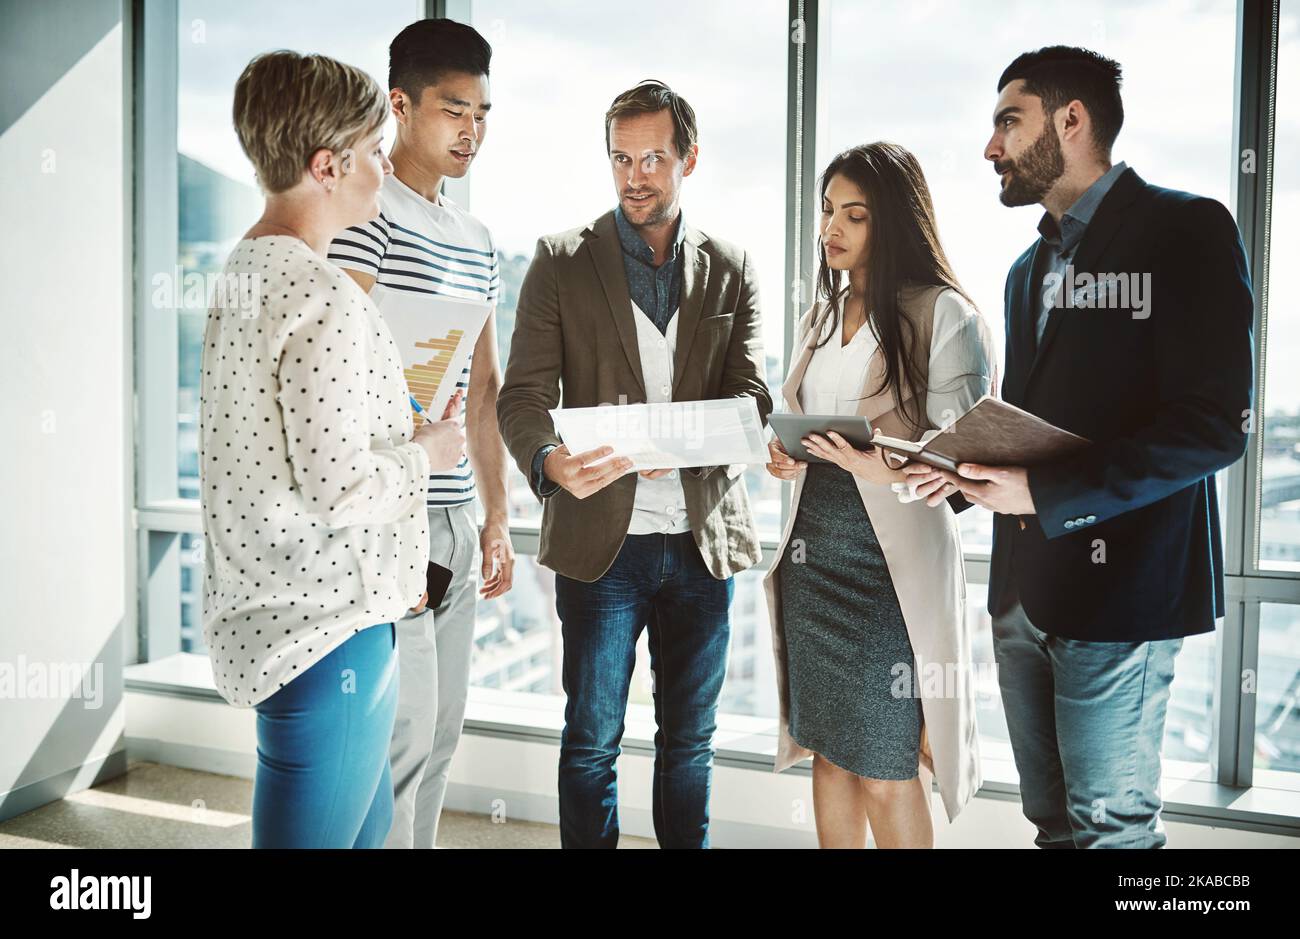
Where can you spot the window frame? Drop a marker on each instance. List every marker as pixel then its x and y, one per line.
pixel 161 518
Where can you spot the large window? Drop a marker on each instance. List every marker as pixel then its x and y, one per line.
pixel 1277 715
pixel 544 169
pixel 893 70
pixel 1279 500
pixel 219 199
pixel 1277 718
pixel 546 138
pixel 868 54
pixel 887 72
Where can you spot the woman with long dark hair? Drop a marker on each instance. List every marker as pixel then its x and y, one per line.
pixel 868 593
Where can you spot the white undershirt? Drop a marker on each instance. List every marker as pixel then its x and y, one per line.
pixel 660 504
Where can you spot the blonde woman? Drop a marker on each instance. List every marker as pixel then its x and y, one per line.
pixel 312 478
pixel 868 593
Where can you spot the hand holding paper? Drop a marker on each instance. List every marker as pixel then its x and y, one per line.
pixel 668 435
pixel 584 473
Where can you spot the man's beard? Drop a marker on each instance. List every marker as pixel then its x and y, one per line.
pixel 1035 171
pixel 658 212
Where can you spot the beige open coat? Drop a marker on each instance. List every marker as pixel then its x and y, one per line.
pixel 921 545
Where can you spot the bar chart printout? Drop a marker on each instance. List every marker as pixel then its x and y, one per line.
pixel 424 378
pixel 435 337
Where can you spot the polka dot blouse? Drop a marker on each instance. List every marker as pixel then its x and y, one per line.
pixel 312 493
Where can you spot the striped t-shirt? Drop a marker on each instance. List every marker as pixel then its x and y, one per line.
pixel 426 247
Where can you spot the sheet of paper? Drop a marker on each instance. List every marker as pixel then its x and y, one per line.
pixel 668 435
pixel 435 337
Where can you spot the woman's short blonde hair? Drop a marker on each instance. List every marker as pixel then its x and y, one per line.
pixel 288 106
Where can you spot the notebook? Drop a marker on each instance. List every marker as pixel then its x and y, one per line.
pixel 991 433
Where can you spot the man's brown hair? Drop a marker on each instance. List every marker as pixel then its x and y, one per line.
pixel 649 97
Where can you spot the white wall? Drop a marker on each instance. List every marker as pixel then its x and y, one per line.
pixel 65 539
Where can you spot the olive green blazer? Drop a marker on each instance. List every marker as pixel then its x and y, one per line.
pixel 575 345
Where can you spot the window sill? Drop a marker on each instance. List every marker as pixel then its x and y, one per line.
pixel 1191 795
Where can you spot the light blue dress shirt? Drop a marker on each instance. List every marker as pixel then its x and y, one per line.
pixel 1061 243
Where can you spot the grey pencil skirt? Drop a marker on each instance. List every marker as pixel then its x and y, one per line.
pixel 845 636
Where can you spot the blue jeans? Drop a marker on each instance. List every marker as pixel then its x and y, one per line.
pixel 1086 720
pixel 657 581
pixel 322 750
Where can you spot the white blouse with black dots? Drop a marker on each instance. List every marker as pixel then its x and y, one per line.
pixel 312 493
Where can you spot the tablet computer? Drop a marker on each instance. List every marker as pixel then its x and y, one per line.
pixel 791 428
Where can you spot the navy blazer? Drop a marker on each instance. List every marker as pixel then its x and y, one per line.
pixel 1125 545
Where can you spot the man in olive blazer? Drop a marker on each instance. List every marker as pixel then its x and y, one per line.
pixel 655 549
pixel 574 328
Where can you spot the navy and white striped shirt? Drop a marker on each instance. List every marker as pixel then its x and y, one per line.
pixel 433 248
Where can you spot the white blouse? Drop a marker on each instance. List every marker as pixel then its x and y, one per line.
pixel 961 368
pixel 312 493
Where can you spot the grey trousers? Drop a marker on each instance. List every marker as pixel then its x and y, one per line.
pixel 1086 720
pixel 434 651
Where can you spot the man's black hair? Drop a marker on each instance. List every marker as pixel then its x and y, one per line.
pixel 427 49
pixel 1061 74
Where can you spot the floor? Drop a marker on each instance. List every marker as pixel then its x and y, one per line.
pixel 155 806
